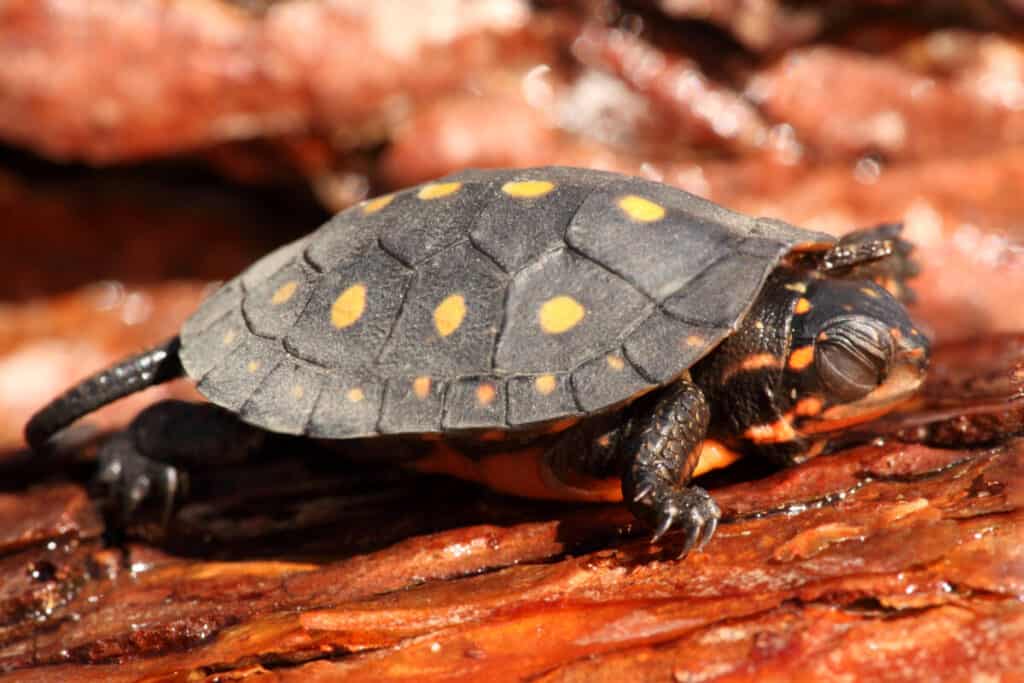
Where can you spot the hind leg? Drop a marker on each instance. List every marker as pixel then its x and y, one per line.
pixel 144 468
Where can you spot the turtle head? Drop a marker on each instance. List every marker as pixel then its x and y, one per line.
pixel 854 355
pixel 813 356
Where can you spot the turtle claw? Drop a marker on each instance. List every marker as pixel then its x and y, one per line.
pixel 692 510
pixel 709 529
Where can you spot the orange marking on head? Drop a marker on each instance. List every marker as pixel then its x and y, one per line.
pixel 802 306
pixel 801 358
pixel 809 406
pixel 779 431
pixel 896 333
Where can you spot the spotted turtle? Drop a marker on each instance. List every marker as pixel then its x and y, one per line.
pixel 551 332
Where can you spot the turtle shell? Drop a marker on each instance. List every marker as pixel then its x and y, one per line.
pixel 488 299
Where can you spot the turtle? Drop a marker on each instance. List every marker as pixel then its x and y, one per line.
pixel 551 332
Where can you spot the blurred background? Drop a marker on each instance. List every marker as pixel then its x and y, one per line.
pixel 149 147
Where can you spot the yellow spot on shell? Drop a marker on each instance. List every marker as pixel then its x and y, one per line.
pixel 560 314
pixel 796 287
pixel 449 314
pixel 438 190
pixel 349 306
pixel 375 205
pixel 526 189
pixel 421 387
pixel 802 306
pixel 284 292
pixel 545 384
pixel 355 395
pixel 640 209
pixel 253 366
pixel 228 337
pixel 801 357
pixel 485 394
pixel 298 392
pixel 615 362
pixel 870 292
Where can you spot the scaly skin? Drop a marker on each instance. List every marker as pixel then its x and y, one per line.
pixel 666 448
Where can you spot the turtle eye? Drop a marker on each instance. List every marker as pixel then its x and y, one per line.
pixel 852 356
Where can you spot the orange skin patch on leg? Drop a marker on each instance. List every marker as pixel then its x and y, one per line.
pixel 714 456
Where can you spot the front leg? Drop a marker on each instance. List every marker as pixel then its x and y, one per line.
pixel 878 254
pixel 661 453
